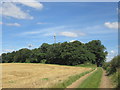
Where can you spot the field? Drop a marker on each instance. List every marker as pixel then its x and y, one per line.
pixel 26 75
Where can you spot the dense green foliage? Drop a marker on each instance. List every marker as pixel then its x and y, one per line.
pixel 93 81
pixel 113 69
pixel 66 53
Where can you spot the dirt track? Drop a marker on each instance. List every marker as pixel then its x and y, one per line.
pixel 105 81
pixel 79 81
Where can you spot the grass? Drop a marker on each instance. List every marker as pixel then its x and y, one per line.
pixel 71 79
pixel 10 81
pixel 115 79
pixel 93 81
pixel 87 65
pixel 45 79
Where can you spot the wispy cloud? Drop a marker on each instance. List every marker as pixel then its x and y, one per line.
pixel 44 31
pixel 111 54
pixel 11 9
pixel 13 24
pixel 40 23
pixel 31 33
pixel 8 50
pixel 98 29
pixel 1 22
pixel 59 30
pixel 71 34
pixel 68 34
pixel 111 25
pixel 69 31
pixel 31 3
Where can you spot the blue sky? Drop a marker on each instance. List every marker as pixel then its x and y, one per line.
pixel 35 23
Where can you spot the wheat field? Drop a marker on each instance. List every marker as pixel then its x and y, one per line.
pixel 28 75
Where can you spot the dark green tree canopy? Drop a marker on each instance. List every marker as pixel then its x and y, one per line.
pixel 66 53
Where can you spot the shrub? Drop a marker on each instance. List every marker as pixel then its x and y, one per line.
pixel 43 61
pixel 113 68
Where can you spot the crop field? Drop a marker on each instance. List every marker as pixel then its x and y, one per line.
pixel 26 75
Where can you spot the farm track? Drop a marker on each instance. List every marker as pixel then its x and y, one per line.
pixel 105 81
pixel 79 81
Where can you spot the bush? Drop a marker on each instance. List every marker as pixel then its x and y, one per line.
pixel 31 60
pixel 113 68
pixel 106 65
pixel 43 61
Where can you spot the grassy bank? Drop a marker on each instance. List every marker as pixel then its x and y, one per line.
pixel 71 79
pixel 87 65
pixel 115 78
pixel 93 81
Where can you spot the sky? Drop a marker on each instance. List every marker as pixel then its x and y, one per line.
pixel 34 23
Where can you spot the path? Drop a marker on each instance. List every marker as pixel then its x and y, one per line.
pixel 79 81
pixel 105 81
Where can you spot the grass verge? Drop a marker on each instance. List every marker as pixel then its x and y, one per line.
pixel 70 80
pixel 87 65
pixel 93 81
pixel 115 79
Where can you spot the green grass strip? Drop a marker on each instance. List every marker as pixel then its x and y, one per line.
pixel 87 65
pixel 93 81
pixel 70 80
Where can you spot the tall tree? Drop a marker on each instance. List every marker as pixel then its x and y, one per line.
pixel 98 50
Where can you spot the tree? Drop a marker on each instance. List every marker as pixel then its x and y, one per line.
pixel 98 50
pixel 22 55
pixel 66 53
pixel 44 47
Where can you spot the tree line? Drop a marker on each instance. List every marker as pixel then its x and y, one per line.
pixel 66 53
pixel 113 69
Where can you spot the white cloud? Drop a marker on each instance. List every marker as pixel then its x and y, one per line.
pixel 11 9
pixel 111 25
pixel 68 34
pixel 48 34
pixel 112 52
pixel 31 32
pixel 32 3
pixel 59 30
pixel 44 31
pixel 111 55
pixel 72 40
pixel 13 24
pixel 1 22
pixel 71 34
pixel 7 50
pixel 42 23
